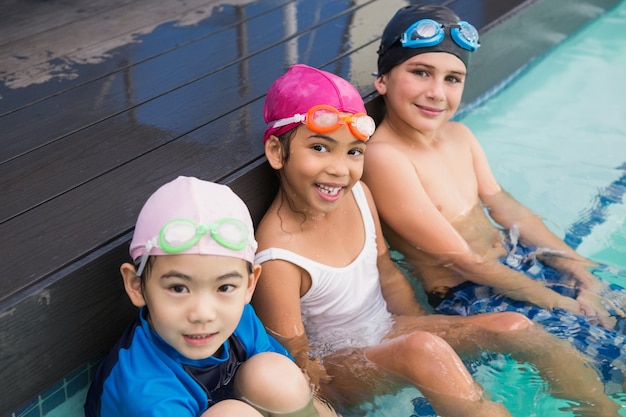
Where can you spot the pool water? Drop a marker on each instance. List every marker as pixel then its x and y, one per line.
pixel 555 138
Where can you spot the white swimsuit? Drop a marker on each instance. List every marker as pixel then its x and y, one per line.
pixel 344 306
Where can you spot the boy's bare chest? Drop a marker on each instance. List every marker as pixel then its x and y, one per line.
pixel 448 178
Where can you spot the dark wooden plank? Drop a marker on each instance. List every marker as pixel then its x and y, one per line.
pixel 129 88
pixel 133 44
pixel 74 40
pixel 20 20
pixel 61 326
pixel 483 13
pixel 34 182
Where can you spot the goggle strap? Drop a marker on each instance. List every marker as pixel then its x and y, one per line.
pixel 297 118
pixel 144 258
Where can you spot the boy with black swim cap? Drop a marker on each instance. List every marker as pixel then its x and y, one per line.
pixel 431 182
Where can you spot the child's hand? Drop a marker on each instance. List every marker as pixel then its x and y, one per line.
pixel 569 304
pixel 317 374
pixel 593 305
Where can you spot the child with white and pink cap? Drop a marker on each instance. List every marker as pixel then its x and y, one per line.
pixel 196 347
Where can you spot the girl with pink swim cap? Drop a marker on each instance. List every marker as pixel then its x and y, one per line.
pixel 330 292
pixel 320 241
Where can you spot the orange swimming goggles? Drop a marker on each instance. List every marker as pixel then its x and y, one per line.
pixel 324 118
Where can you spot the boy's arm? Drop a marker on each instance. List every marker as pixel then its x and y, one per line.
pixel 405 206
pixel 276 301
pixel 396 289
pixel 508 212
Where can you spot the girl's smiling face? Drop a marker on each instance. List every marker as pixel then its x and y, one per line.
pixel 320 168
pixel 424 91
pixel 194 301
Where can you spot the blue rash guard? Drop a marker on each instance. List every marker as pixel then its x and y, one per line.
pixel 145 376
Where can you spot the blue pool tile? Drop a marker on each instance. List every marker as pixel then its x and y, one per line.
pixel 77 382
pixel 31 410
pixel 52 399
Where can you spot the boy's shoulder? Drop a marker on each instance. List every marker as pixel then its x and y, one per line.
pixel 385 135
pixel 456 130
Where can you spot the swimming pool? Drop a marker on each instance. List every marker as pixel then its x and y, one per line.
pixel 554 137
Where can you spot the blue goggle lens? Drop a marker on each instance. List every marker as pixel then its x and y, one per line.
pixel 466 36
pixel 427 32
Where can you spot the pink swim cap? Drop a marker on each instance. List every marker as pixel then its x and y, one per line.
pixel 198 201
pixel 303 87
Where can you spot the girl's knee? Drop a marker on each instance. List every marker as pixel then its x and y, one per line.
pixel 273 382
pixel 426 343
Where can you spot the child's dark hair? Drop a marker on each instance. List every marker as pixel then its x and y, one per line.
pixel 285 143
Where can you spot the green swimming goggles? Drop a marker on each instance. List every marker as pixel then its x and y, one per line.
pixel 181 234
pixel 427 32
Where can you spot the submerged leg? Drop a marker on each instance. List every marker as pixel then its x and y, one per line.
pixel 569 374
pixel 435 369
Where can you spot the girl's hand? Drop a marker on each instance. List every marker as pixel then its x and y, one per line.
pixel 316 373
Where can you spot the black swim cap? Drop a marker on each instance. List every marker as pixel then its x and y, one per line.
pixel 391 52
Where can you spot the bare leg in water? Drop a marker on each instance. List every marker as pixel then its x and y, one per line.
pixel 419 358
pixel 570 375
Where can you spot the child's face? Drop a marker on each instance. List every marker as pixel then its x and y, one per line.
pixel 424 91
pixel 321 168
pixel 195 301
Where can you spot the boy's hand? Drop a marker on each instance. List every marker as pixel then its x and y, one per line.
pixel 593 306
pixel 570 305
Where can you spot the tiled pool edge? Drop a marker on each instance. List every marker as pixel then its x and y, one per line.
pixel 61 392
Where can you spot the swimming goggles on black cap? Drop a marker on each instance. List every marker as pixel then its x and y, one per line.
pixel 427 32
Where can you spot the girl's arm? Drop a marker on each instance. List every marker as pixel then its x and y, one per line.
pixel 277 303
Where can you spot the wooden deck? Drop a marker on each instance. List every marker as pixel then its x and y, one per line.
pixel 102 101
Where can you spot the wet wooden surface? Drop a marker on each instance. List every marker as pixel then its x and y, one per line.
pixel 104 101
pixel 101 102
